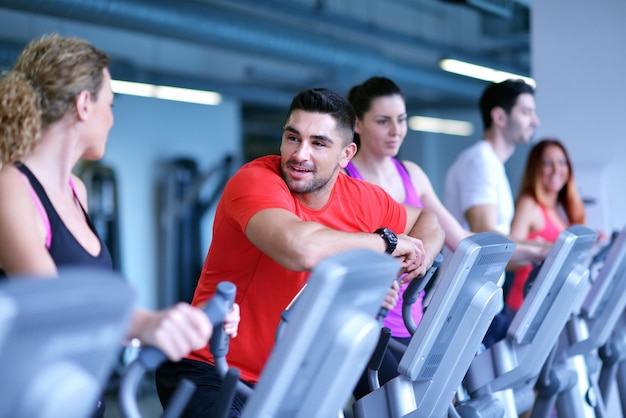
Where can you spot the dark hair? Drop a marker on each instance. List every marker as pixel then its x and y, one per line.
pixel 362 95
pixel 326 101
pixel 504 95
pixel 42 87
pixel 568 196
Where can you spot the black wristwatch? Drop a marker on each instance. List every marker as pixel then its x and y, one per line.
pixel 390 238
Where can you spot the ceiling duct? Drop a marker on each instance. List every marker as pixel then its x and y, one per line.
pixel 502 8
pixel 199 23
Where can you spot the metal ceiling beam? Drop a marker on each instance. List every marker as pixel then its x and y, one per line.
pixel 326 19
pixel 201 24
pixel 257 95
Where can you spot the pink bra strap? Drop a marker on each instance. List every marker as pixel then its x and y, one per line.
pixel 73 186
pixel 41 210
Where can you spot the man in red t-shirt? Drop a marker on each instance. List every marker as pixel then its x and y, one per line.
pixel 277 218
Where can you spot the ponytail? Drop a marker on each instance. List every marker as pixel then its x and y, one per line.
pixel 20 117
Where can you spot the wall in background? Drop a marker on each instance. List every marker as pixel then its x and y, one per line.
pixel 578 62
pixel 145 134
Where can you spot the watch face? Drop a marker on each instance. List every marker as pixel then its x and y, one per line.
pixel 390 237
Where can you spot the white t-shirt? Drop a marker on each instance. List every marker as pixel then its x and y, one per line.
pixel 478 177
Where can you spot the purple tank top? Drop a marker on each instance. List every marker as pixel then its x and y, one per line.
pixel 394 320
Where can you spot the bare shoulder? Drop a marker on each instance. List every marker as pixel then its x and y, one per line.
pixel 419 177
pixel 11 182
pixel 16 202
pixel 527 218
pixel 412 166
pixel 22 229
pixel 526 203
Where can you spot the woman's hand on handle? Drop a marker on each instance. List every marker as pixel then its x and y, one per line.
pixel 176 331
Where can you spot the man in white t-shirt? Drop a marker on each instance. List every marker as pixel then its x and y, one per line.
pixel 477 190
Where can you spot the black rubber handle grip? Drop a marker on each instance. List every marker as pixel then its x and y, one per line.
pixel 415 287
pixel 216 309
pixel 383 341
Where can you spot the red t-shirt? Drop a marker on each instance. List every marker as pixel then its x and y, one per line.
pixel 264 288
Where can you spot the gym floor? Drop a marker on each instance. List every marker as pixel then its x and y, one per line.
pixel 148 401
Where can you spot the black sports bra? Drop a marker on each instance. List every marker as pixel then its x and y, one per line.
pixel 64 249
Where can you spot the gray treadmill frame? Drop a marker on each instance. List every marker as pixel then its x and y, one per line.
pixel 59 340
pixel 559 289
pixel 585 333
pixel 331 334
pixel 441 349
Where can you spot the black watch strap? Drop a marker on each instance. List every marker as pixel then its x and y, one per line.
pixel 390 238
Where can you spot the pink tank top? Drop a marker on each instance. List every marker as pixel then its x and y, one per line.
pixel 549 233
pixel 394 320
pixel 40 208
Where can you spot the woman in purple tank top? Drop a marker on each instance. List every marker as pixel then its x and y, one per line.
pixel 381 127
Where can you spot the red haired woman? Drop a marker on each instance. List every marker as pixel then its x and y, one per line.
pixel 548 203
